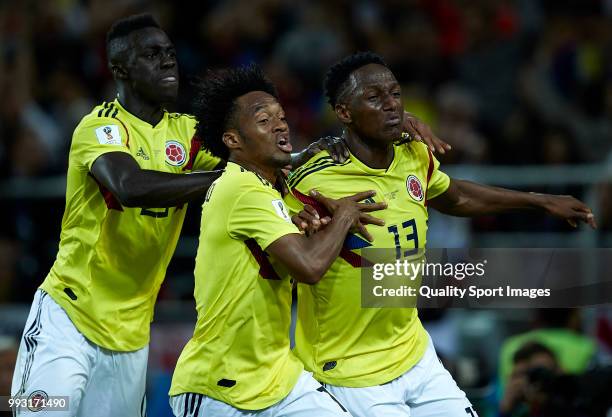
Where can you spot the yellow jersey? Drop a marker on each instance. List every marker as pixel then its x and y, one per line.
pixel 112 259
pixel 240 352
pixel 339 341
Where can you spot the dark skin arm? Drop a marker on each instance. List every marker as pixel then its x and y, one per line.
pixel 466 199
pixel 137 187
pixel 309 257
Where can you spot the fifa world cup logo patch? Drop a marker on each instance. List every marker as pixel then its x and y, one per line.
pixel 175 153
pixel 413 185
pixel 280 209
pixel 109 133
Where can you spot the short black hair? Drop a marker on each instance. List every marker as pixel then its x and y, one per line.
pixel 530 349
pixel 116 36
pixel 215 103
pixel 337 76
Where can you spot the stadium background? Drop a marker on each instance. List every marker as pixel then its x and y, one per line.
pixel 522 90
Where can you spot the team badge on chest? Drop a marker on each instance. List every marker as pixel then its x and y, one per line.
pixel 175 153
pixel 413 185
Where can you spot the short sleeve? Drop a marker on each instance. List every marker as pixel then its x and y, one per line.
pixel 205 161
pixel 438 182
pixel 97 137
pixel 293 204
pixel 259 213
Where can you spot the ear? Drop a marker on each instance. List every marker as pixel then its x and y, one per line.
pixel 343 113
pixel 119 72
pixel 232 140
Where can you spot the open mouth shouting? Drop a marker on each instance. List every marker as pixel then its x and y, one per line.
pixel 283 143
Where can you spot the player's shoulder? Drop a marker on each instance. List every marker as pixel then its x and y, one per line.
pixel 413 150
pixel 321 164
pixel 102 114
pixel 236 180
pixel 103 122
pixel 103 111
pixel 181 116
pixel 412 157
pixel 182 119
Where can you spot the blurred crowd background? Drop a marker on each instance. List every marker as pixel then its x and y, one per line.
pixel 524 84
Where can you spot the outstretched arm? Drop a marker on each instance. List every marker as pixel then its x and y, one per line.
pixel 466 199
pixel 137 187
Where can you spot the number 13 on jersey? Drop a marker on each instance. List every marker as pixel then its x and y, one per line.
pixel 409 230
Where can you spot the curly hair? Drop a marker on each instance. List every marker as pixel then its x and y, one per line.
pixel 215 102
pixel 337 76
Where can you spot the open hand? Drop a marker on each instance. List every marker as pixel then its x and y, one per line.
pixel 568 208
pixel 334 145
pixel 416 129
pixel 351 205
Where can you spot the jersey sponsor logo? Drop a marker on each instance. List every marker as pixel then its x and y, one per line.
pixel 108 135
pixel 141 153
pixel 281 210
pixel 175 153
pixel 413 185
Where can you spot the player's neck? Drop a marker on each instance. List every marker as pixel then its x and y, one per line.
pixel 372 154
pixel 266 172
pixel 150 113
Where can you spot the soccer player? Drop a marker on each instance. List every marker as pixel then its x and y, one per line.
pixel 383 363
pixel 87 333
pixel 239 361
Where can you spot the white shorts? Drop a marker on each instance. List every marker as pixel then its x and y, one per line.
pixel 307 399
pixel 426 390
pixel 56 359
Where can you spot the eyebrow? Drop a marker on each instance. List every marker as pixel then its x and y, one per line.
pixel 378 87
pixel 382 85
pixel 158 46
pixel 266 107
pixel 260 107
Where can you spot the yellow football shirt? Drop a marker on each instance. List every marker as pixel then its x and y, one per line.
pixel 338 340
pixel 112 259
pixel 240 352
